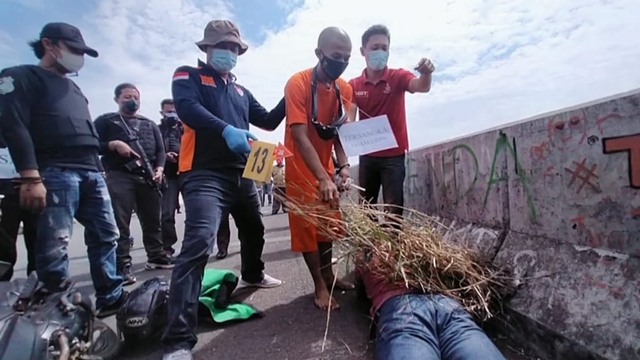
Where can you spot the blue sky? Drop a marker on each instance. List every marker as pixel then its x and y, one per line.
pixel 497 61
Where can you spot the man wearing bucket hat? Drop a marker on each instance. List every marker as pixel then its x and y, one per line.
pixel 216 113
pixel 47 126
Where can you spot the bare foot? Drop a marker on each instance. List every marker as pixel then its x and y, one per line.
pixel 323 300
pixel 340 284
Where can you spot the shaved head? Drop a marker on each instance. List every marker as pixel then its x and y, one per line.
pixel 333 35
pixel 333 52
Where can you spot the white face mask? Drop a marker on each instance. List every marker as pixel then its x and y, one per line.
pixel 71 62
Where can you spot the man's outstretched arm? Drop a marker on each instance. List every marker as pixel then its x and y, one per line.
pixel 420 84
pixel 266 120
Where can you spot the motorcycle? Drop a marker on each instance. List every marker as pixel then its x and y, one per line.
pixel 36 324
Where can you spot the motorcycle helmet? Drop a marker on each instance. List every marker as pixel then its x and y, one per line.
pixel 143 314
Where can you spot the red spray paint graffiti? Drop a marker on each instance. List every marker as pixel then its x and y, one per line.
pixel 585 175
pixel 561 132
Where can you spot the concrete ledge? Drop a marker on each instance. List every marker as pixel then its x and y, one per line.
pixel 587 298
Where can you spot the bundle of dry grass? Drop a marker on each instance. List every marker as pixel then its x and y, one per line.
pixel 411 252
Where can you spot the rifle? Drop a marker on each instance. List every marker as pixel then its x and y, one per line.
pixel 141 165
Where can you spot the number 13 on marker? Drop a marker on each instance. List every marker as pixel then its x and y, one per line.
pixel 260 161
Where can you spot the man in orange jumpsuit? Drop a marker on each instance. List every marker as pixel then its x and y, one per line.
pixel 316 103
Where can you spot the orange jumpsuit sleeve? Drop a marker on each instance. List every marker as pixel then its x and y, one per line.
pixel 295 97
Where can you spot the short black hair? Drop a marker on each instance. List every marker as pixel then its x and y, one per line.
pixel 38 48
pixel 166 102
pixel 375 30
pixel 123 86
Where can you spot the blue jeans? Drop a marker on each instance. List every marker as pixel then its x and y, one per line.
pixel 430 327
pixel 208 196
pixel 80 194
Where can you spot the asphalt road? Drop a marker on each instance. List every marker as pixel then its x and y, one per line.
pixel 291 329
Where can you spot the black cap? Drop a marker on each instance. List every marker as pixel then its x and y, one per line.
pixel 69 34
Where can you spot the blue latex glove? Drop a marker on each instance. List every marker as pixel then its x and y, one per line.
pixel 237 139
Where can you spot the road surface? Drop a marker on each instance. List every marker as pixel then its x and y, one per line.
pixel 291 329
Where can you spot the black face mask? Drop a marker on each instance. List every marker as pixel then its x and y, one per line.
pixel 131 105
pixel 170 120
pixel 333 68
pixel 326 132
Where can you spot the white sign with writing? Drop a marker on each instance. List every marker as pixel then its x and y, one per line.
pixel 367 136
pixel 7 169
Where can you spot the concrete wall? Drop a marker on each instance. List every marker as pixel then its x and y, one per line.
pixel 557 199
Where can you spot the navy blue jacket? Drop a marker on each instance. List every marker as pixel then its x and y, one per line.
pixel 206 105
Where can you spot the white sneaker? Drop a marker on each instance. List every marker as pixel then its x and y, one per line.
pixel 181 354
pixel 266 283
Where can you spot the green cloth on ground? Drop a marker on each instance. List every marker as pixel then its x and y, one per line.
pixel 211 282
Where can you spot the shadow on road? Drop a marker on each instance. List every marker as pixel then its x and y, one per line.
pixel 294 331
pixel 288 331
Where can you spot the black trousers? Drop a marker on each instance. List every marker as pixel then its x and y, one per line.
pixel 224 233
pixel 12 216
pixel 169 207
pixel 128 191
pixel 388 172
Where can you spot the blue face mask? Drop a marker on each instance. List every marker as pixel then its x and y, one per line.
pixel 223 60
pixel 377 59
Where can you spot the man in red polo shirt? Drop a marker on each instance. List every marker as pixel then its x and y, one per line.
pixel 380 91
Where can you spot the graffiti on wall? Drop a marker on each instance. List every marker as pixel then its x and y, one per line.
pixel 459 191
pixel 459 180
pixel 623 241
pixel 412 182
pixel 629 144
pixel 583 175
pixel 448 173
pixel 563 134
pixel 503 145
pixel 454 173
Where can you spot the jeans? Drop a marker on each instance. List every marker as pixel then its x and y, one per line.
pixel 12 216
pixel 169 208
pixel 430 327
pixel 130 191
pixel 388 172
pixel 266 192
pixel 208 197
pixel 81 194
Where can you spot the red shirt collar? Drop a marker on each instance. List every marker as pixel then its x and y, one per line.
pixel 384 77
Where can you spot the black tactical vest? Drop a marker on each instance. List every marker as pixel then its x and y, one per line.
pixel 140 126
pixel 60 117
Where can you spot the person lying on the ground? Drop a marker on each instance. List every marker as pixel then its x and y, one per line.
pixel 314 110
pixel 410 324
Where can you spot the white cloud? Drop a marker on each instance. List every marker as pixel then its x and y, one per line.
pixel 8 48
pixel 500 60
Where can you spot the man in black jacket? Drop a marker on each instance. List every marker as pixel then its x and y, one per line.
pixel 128 179
pixel 45 120
pixel 171 130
